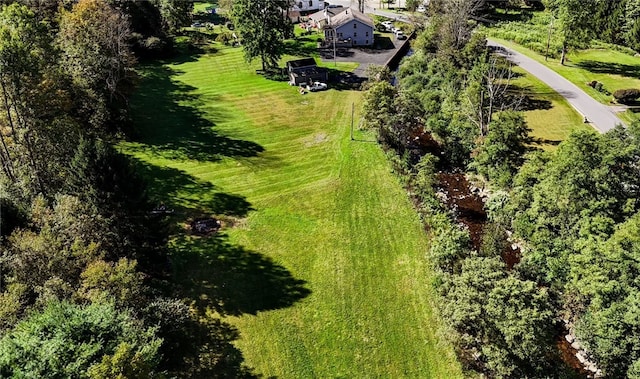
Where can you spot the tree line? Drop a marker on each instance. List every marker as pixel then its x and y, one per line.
pixel 84 274
pixel 573 212
pixel 612 21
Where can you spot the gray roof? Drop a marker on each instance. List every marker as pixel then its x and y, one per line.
pixel 322 15
pixel 304 62
pixel 349 15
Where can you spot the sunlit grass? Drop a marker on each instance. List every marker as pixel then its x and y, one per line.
pixel 548 114
pixel 307 209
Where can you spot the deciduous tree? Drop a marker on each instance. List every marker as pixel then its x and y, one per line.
pixel 94 39
pixel 501 152
pixel 30 101
pixel 263 27
pixel 575 18
pixel 67 340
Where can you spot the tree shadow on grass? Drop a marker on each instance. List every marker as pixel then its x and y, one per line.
pixel 632 71
pixel 545 141
pixel 532 103
pixel 181 191
pixel 232 280
pixel 301 46
pixel 525 100
pixel 198 347
pixel 170 122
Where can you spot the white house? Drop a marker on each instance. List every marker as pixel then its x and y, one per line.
pixel 350 26
pixel 321 18
pixel 307 5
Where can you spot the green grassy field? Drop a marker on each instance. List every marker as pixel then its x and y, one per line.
pixel 321 262
pixel 549 115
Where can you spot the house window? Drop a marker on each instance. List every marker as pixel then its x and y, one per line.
pixel 366 42
pixel 366 34
pixel 339 35
pixel 300 5
pixel 355 34
pixel 355 26
pixel 310 3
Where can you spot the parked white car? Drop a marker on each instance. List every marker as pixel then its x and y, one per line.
pixel 387 24
pixel 316 86
pixel 400 35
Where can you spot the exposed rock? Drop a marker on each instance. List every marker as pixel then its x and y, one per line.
pixel 581 357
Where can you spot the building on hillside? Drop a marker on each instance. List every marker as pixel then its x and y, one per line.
pixel 349 27
pixel 306 70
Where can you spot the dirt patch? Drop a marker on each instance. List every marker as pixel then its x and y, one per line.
pixel 316 140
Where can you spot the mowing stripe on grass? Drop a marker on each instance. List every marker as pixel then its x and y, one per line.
pixel 328 217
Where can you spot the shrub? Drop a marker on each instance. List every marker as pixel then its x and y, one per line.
pixel 197 38
pixel 625 96
pixel 154 43
pixel 224 38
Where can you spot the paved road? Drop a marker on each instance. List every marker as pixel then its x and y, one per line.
pixel 599 115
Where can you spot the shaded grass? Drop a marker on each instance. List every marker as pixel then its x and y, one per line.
pixel 548 114
pixel 322 266
pixel 630 116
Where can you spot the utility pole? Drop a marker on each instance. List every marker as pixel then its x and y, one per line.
pixel 335 35
pixel 546 54
pixel 352 110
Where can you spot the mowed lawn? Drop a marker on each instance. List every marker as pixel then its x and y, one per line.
pixel 548 114
pixel 321 263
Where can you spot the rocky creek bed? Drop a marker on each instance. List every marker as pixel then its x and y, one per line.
pixel 467 205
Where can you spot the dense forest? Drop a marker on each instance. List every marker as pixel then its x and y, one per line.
pixel 573 213
pixel 85 282
pixel 613 21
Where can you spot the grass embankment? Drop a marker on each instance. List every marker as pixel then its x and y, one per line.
pixel 324 270
pixel 548 114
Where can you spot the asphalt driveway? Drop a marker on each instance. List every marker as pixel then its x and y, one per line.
pixel 362 55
